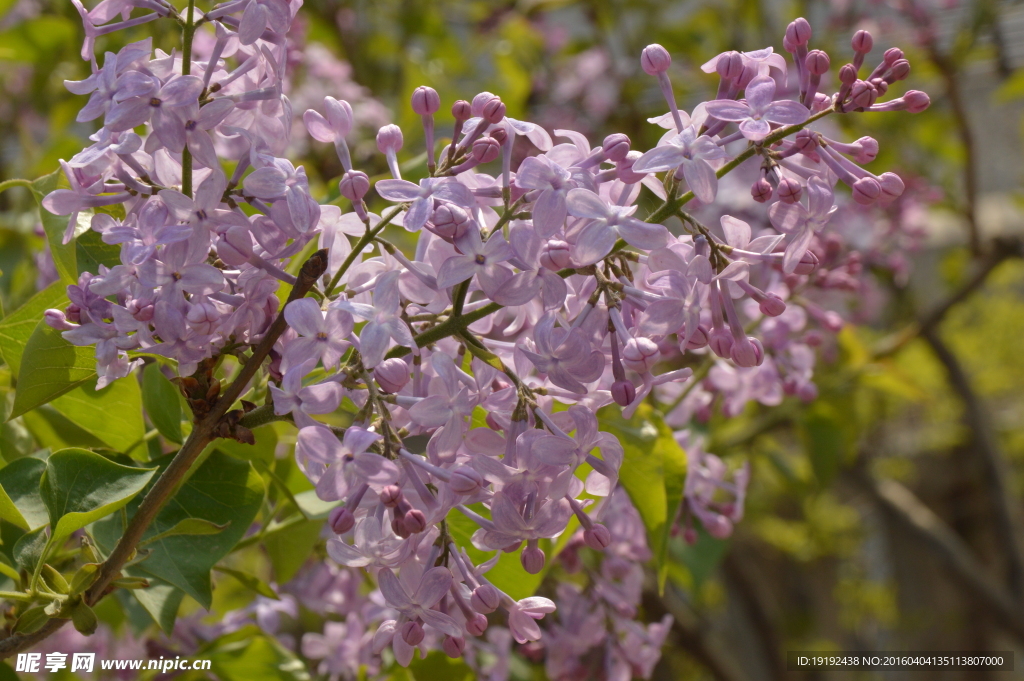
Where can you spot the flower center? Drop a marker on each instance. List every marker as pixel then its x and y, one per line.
pixel 155 101
pixel 480 259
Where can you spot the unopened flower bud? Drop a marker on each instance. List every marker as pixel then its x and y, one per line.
pixel 817 62
pixel 56 319
pixel 462 110
pixel 698 339
pixel 498 135
pixel 341 520
pixel 485 599
pixel 555 255
pixel 623 392
pixel 893 55
pixel 772 305
pixel 655 59
pixel 485 150
pixel 532 559
pixel 477 624
pixel 391 375
pixel 450 221
pixel 412 633
pixel 917 101
pixel 690 536
pixel 743 353
pixel 493 111
pixel 615 147
pixel 730 65
pixel 415 521
pixel 761 190
pixel 863 94
pixel 389 138
pixel 862 42
pixel 597 537
pixel 848 74
pixel 798 32
pixel 720 342
pixel 354 185
pixel 866 191
pixel 465 480
pixel 899 71
pixel 892 186
pixel 235 246
pixel 718 526
pixel 808 392
pixel 391 495
pixel 624 168
pixel 640 354
pixel 425 101
pixel 789 190
pixel 808 263
pixel 453 646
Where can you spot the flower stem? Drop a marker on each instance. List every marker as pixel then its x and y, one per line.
pixel 188 33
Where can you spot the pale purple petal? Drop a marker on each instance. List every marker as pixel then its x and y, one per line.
pixel 392 590
pixel 433 585
pixel 728 110
pixel 660 158
pixel 398 190
pixel 755 130
pixel 584 203
pixel 701 179
pixel 304 316
pixel 787 112
pixel 643 235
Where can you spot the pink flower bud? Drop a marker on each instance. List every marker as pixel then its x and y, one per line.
pixel 806 141
pixel 425 101
pixel 863 94
pixel 485 150
pixel 655 59
pixel 772 305
pixel 555 255
pixel 798 32
pixel 391 375
pixel 868 150
pixel 761 190
pixel 462 110
pixel 391 496
pixel 354 185
pixel 493 111
pixel 640 354
pixel 597 537
pixel 532 559
pixel 450 221
pixel 730 65
pixel 817 62
pixel 808 392
pixel 465 480
pixel 623 392
pixel 690 536
pixel 341 520
pixel 917 101
pixel 743 353
pixel 389 138
pixel 866 191
pixel 56 319
pixel 718 526
pixel 235 246
pixel 862 42
pixel 698 339
pixel 412 633
pixel 615 147
pixel 485 599
pixel 892 186
pixel 720 342
pixel 624 168
pixel 789 190
pixel 453 646
pixel 415 521
pixel 477 624
pixel 847 74
pixel 808 263
pixel 899 71
pixel 893 55
pixel 399 528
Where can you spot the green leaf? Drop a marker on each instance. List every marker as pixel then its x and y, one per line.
pixel 188 526
pixel 91 252
pixel 54 580
pixel 250 582
pixel 113 414
pixel 54 431
pixel 249 655
pixel 17 327
pixel 312 506
pixel 289 550
pixel 439 667
pixel 824 438
pixel 9 511
pixel 51 367
pixel 31 620
pixel 64 255
pixel 160 398
pixel 508 574
pixel 83 618
pixel 29 549
pixel 84 577
pixel 653 474
pixel 80 487
pixel 20 482
pixel 223 490
pixel 161 601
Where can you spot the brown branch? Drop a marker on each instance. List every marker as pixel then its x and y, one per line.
pixel 994 467
pixel 751 601
pixel 902 505
pixel 205 432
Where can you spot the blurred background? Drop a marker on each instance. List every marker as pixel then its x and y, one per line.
pixel 885 515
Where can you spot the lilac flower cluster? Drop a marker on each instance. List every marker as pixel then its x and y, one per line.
pixel 535 296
